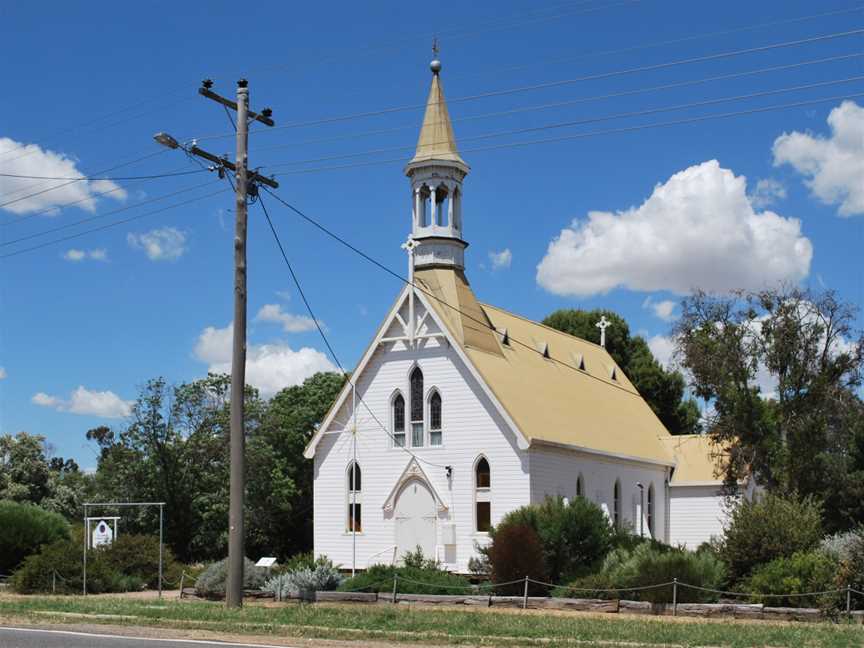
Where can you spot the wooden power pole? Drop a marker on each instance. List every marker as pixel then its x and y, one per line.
pixel 245 184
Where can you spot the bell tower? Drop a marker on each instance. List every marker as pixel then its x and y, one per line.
pixel 436 173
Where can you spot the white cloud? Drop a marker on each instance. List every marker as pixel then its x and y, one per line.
pixel 290 323
pixel 665 309
pixel 164 244
pixel 501 260
pixel 105 404
pixel 3 373
pixel 269 367
pixel 833 166
pixel 75 255
pixel 663 348
pixel 698 230
pixel 32 160
pixel 767 192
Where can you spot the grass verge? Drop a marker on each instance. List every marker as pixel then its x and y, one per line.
pixel 423 625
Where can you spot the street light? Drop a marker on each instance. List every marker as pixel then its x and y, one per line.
pixel 641 509
pixel 166 140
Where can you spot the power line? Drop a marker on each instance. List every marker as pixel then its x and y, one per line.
pixel 674 41
pixel 610 131
pixel 592 120
pixel 572 102
pixel 323 335
pixel 66 184
pixel 168 174
pixel 100 216
pixel 109 225
pixel 563 82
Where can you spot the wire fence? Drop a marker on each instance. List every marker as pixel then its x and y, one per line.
pixel 675 584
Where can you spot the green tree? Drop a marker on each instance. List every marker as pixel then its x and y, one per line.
pixel 663 390
pixel 280 493
pixel 28 473
pixel 175 449
pixel 782 369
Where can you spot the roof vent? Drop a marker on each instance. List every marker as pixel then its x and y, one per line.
pixel 505 337
pixel 542 348
pixel 613 374
pixel 579 359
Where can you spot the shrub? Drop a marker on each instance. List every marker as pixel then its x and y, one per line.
pixel 575 536
pixel 418 576
pixel 515 553
pixel 651 564
pixel 304 582
pixel 842 545
pixel 26 528
pixel 211 582
pixel 774 527
pixel 803 572
pixel 851 570
pixel 64 557
pixel 138 556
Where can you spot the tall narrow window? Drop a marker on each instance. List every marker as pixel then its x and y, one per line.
pixel 650 512
pixel 435 419
pixel 616 504
pixel 355 518
pixel 580 486
pixel 417 408
pixel 399 420
pixel 482 496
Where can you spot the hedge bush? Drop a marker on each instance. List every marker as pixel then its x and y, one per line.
pixel 26 527
pixel 801 573
pixel 212 581
pixel 651 564
pixel 515 553
pixel 575 536
pixel 851 570
pixel 774 527
pixel 138 555
pixel 418 575
pixel 64 558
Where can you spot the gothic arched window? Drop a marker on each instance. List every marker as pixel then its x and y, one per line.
pixel 482 496
pixel 355 518
pixel 616 503
pixel 417 430
pixel 580 486
pixel 435 432
pixel 399 420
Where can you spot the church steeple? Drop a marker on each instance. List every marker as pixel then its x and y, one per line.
pixel 436 173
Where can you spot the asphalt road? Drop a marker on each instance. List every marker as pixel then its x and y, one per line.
pixel 36 638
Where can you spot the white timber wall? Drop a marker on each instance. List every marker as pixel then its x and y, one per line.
pixel 471 427
pixel 698 512
pixel 554 472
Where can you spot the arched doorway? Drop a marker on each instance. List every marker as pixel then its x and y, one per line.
pixel 415 516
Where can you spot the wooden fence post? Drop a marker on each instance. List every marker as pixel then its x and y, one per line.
pixel 674 597
pixel 525 596
pixel 395 578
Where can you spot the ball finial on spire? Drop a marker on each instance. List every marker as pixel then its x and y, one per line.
pixel 435 65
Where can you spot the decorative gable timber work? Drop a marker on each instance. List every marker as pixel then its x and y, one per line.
pixel 395 324
pixel 413 471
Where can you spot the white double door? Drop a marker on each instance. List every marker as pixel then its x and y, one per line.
pixel 415 516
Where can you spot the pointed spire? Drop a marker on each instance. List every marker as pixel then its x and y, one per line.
pixel 436 141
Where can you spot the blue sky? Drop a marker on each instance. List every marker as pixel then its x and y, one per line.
pixel 627 221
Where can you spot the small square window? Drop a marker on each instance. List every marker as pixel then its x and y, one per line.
pixel 484 516
pixel 435 438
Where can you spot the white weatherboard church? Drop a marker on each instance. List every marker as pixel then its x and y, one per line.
pixel 464 411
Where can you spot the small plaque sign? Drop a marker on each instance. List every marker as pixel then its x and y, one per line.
pixel 265 562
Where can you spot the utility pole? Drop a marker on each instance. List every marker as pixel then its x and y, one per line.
pixel 246 184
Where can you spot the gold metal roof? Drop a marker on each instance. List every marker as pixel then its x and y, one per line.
pixel 548 401
pixel 437 141
pixel 699 460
